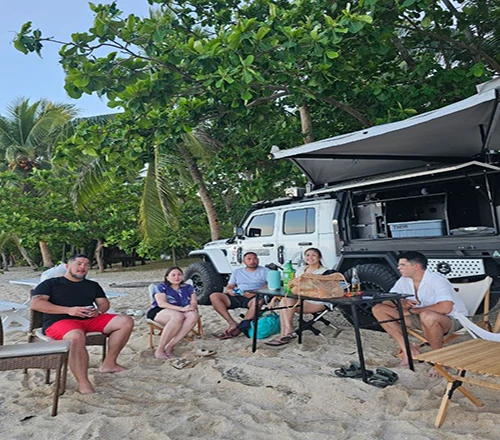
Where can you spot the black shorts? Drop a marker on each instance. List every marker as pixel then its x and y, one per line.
pixel 237 302
pixel 153 312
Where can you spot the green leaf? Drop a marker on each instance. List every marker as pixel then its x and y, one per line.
pixel 426 22
pixel 332 54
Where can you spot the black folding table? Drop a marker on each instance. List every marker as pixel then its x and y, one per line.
pixel 368 298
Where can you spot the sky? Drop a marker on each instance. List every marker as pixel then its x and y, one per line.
pixel 29 76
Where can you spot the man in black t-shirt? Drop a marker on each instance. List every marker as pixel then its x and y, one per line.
pixel 73 306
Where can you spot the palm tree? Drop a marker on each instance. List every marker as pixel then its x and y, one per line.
pixel 28 134
pixel 159 202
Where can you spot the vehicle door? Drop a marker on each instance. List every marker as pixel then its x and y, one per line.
pixel 299 231
pixel 260 236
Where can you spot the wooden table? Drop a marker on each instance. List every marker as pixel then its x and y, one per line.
pixel 476 356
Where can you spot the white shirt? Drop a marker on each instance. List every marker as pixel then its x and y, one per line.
pixel 434 288
pixel 301 270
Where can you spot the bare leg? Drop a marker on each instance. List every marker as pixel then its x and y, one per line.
pixel 118 331
pixel 435 326
pixel 190 320
pixel 79 360
pixel 221 303
pixel 388 311
pixel 249 315
pixel 286 315
pixel 172 320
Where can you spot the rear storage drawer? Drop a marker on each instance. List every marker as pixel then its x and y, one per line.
pixel 422 228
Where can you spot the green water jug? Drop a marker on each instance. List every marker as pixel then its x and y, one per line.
pixel 288 274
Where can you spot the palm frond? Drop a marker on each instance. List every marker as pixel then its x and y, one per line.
pixel 159 204
pixel 92 180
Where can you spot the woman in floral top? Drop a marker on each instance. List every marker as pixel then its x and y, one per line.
pixel 175 305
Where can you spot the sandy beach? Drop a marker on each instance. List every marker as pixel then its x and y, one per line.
pixel 277 393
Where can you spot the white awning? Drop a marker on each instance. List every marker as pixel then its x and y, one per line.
pixel 451 134
pixel 468 168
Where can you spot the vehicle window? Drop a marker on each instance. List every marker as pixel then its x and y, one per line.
pixel 261 226
pixel 299 221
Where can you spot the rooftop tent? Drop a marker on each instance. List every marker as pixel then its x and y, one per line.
pixel 456 133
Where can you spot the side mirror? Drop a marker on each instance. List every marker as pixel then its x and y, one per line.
pixel 239 231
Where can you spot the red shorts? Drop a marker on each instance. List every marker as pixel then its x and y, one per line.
pixel 97 324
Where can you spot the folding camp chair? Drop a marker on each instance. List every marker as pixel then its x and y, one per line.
pixel 154 325
pixel 472 294
pixel 320 317
pixel 474 330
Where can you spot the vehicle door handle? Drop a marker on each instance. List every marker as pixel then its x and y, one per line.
pixel 281 256
pixel 268 245
pixel 305 243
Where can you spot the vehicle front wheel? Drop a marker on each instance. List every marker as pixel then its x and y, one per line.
pixel 206 280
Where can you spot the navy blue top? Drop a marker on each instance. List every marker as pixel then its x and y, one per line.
pixel 181 297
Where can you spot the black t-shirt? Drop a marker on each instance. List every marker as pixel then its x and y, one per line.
pixel 63 292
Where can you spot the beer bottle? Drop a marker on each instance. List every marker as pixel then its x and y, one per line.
pixel 355 282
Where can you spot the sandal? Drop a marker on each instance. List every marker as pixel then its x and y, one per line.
pixel 278 342
pixel 204 353
pixel 383 377
pixel 228 334
pixel 183 363
pixel 353 371
pixel 289 337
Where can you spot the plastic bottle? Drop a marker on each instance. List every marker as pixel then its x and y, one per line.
pixel 288 274
pixel 355 282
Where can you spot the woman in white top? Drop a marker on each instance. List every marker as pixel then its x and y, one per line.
pixel 314 266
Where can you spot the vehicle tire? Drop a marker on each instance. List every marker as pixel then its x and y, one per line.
pixel 376 277
pixel 206 280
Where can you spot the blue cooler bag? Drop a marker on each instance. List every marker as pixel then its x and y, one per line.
pixel 269 324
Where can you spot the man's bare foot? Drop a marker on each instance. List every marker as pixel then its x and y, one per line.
pixel 159 354
pixel 404 359
pixel 86 388
pixel 231 329
pixel 114 368
pixel 433 373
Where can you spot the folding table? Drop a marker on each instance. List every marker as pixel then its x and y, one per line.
pixel 368 298
pixel 476 356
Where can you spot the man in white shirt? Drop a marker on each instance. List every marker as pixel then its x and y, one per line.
pixel 428 308
pixel 236 295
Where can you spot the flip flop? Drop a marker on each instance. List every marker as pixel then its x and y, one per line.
pixel 383 377
pixel 353 371
pixel 204 353
pixel 229 334
pixel 278 342
pixel 183 363
pixel 289 337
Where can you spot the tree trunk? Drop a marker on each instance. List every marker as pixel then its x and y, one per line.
pixel 205 197
pixel 306 123
pixel 5 262
pixel 24 253
pixel 47 261
pixel 98 255
pixel 63 256
pixel 174 257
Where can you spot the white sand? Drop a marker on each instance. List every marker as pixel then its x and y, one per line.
pixel 276 393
